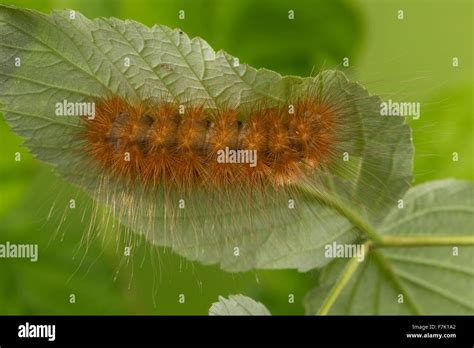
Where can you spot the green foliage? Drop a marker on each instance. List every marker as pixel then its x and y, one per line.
pixel 238 305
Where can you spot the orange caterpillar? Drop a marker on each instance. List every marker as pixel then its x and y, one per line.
pixel 164 142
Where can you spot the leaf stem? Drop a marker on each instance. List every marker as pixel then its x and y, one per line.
pixel 417 241
pixel 340 284
pixel 344 210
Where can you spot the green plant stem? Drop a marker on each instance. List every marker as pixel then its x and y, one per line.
pixel 344 210
pixel 340 284
pixel 419 241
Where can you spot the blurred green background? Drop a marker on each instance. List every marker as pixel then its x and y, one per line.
pixel 409 60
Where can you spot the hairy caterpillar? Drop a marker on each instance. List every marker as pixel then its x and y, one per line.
pixel 153 144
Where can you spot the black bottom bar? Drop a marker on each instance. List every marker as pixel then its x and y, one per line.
pixel 152 330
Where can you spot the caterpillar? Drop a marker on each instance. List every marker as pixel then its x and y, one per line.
pixel 152 143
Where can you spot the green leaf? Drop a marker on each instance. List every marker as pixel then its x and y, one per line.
pixel 81 59
pixel 238 305
pixel 425 254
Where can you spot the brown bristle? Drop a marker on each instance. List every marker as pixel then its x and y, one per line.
pixel 181 145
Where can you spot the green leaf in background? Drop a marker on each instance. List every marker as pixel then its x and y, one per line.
pixel 78 59
pixel 423 264
pixel 238 305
